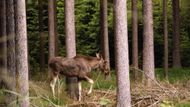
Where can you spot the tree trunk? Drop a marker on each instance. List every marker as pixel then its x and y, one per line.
pixel 135 39
pixel 55 31
pixel 71 82
pixel 148 44
pixel 21 52
pixel 3 38
pixel 121 53
pixel 11 61
pixel 10 37
pixel 165 39
pixel 104 31
pixel 3 47
pixel 176 35
pixel 52 28
pixel 40 19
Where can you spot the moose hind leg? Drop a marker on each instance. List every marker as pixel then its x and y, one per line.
pixel 52 84
pixel 80 90
pixel 91 84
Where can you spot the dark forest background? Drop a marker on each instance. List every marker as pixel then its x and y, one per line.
pixel 87 20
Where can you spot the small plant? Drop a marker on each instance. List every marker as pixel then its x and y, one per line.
pixel 105 102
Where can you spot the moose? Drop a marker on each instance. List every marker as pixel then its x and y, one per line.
pixel 79 66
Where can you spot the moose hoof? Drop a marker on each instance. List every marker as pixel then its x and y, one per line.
pixel 89 92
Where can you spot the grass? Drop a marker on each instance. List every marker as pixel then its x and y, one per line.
pixel 101 83
pixel 40 90
pixel 174 75
pixel 40 93
pixel 184 104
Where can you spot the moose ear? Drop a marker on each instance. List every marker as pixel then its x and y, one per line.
pixel 98 55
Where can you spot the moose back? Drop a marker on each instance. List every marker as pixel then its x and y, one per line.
pixel 80 66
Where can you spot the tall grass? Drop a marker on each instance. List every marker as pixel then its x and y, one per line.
pixel 41 96
pixel 174 75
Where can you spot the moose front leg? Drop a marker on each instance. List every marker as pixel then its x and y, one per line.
pixel 91 84
pixel 80 90
pixel 52 84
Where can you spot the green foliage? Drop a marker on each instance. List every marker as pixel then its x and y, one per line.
pixel 60 27
pixel 104 102
pixel 186 104
pixel 32 30
pixel 87 21
pixel 2 97
pixel 87 26
pixel 100 82
pixel 166 104
pixel 185 32
pixel 174 104
pixel 175 75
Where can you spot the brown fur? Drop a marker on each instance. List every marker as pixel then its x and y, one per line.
pixel 79 66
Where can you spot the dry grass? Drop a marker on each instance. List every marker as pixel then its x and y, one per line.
pixel 142 96
pixel 162 94
pixel 166 93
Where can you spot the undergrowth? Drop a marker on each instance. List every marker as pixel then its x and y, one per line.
pixel 104 92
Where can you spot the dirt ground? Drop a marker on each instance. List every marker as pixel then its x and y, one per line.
pixel 161 94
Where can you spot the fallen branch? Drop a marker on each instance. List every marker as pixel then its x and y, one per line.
pixel 154 81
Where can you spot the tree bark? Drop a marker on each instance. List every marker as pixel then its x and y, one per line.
pixel 176 35
pixel 165 39
pixel 11 61
pixel 104 31
pixel 56 37
pixel 135 39
pixel 21 52
pixel 10 37
pixel 41 34
pixel 71 82
pixel 121 53
pixel 3 37
pixel 52 28
pixel 148 44
pixel 3 47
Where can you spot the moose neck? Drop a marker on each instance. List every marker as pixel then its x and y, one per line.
pixel 94 64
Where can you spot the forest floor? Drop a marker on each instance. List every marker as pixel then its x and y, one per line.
pixel 172 93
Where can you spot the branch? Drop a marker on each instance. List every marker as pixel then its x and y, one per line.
pixel 153 81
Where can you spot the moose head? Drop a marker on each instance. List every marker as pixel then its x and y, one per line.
pixel 103 65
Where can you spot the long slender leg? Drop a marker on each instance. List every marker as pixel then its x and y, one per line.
pixel 58 86
pixel 52 84
pixel 91 84
pixel 80 90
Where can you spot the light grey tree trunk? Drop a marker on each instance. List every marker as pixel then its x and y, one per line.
pixel 121 53
pixel 21 52
pixel 148 44
pixel 71 82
